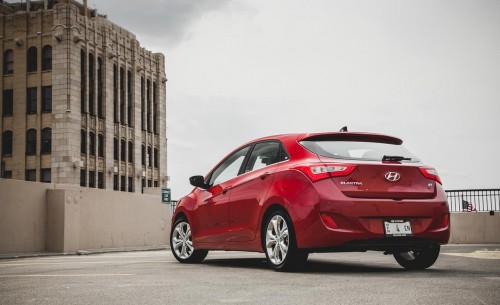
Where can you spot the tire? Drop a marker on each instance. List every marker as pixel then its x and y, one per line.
pixel 418 259
pixel 181 244
pixel 279 244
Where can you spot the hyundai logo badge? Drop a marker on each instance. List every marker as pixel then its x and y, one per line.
pixel 392 176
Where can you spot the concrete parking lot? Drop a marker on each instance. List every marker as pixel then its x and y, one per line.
pixel 462 275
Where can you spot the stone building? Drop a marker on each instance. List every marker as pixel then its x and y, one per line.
pixel 82 102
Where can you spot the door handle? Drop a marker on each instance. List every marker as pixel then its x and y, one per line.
pixel 264 175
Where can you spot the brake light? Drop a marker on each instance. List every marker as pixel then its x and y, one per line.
pixel 431 173
pixel 317 172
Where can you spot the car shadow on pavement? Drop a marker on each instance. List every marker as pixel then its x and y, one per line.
pixel 312 266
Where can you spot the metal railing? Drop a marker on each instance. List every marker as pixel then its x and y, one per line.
pixel 173 204
pixel 479 200
pixel 482 200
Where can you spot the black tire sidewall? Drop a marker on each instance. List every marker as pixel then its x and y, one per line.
pixel 424 259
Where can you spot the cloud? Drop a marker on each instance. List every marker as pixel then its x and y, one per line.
pixel 169 21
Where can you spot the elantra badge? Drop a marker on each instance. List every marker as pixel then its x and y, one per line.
pixel 392 176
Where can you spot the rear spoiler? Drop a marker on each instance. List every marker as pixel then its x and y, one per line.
pixel 351 136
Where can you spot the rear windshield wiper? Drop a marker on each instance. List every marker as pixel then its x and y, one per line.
pixel 395 158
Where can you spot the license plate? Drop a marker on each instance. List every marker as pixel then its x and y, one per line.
pixel 396 228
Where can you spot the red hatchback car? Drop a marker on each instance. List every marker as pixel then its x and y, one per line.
pixel 295 194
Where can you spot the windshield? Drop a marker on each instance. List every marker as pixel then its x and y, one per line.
pixel 358 150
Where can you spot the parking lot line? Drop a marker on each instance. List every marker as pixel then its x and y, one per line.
pixel 65 275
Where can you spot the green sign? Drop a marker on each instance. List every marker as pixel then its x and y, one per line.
pixel 165 195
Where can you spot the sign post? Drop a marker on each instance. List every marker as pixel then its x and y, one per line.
pixel 165 195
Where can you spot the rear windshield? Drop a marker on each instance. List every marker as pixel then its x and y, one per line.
pixel 357 150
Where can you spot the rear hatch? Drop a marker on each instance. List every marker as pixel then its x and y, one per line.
pixel 383 167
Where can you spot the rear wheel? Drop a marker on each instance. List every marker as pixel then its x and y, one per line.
pixel 181 244
pixel 279 243
pixel 418 259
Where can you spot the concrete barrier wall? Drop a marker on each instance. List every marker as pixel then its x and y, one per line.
pixel 23 216
pixel 37 217
pixel 475 228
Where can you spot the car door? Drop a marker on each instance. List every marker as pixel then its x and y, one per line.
pixel 211 215
pixel 250 189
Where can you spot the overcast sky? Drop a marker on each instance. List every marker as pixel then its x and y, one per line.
pixel 425 71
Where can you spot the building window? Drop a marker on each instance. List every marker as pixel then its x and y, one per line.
pixel 8 102
pixel 143 184
pixel 45 175
pixel 83 142
pixel 100 109
pixel 31 59
pixel 130 184
pixel 156 157
pixel 83 84
pixel 122 184
pixel 115 93
pixel 123 151
pixel 100 145
pixel 100 180
pixel 130 152
pixel 31 175
pixel 91 84
pixel 129 98
pixel 31 142
pixel 7 143
pixel 83 178
pixel 92 143
pixel 46 58
pixel 150 157
pixel 47 99
pixel 149 183
pixel 155 183
pixel 46 140
pixel 91 178
pixel 7 175
pixel 122 96
pixel 8 62
pixel 115 182
pixel 148 102
pixel 143 155
pixel 31 100
pixel 155 108
pixel 143 105
pixel 115 149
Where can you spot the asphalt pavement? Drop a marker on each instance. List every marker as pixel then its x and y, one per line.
pixel 463 274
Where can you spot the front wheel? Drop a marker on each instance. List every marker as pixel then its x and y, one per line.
pixel 181 244
pixel 418 259
pixel 279 243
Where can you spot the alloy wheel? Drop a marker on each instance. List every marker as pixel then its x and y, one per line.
pixel 277 239
pixel 181 240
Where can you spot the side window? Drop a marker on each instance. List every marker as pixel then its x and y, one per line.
pixel 263 154
pixel 229 168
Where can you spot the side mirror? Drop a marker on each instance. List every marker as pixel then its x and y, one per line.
pixel 198 181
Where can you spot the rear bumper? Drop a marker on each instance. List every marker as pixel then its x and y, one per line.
pixel 359 222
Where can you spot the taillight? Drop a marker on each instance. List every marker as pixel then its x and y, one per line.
pixel 431 173
pixel 317 172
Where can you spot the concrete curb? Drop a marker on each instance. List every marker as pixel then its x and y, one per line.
pixel 81 252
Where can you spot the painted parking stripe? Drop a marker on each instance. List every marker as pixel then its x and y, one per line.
pixel 481 254
pixel 65 275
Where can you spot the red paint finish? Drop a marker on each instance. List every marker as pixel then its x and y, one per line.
pixel 330 207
